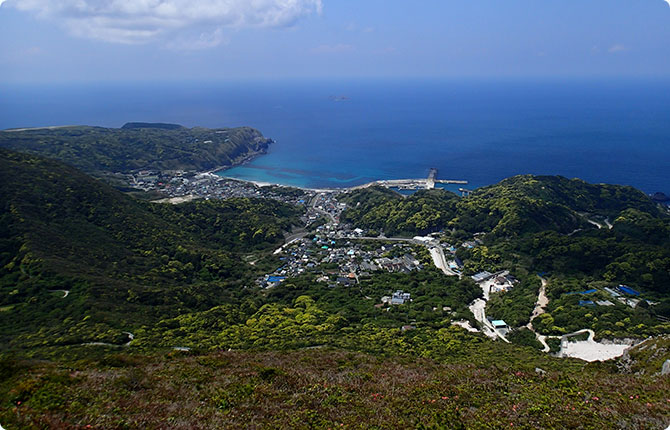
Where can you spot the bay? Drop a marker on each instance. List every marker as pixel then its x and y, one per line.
pixel 349 132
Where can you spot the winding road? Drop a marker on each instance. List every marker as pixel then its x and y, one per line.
pixel 588 350
pixel 597 224
pixel 114 345
pixel 478 309
pixel 540 305
pixel 65 292
pixel 591 333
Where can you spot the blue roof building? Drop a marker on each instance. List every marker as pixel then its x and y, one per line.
pixel 628 290
pixel 499 324
pixel 583 292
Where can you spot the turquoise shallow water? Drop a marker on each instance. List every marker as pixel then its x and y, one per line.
pixel 617 132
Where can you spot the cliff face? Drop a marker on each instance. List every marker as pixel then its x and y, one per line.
pixel 139 146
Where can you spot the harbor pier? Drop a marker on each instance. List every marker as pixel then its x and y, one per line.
pixel 417 184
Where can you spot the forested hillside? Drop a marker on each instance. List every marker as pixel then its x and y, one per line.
pixel 62 230
pixel 513 207
pixel 139 146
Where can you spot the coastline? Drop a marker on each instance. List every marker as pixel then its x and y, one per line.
pixel 218 173
pixel 270 184
pixel 240 161
pixel 247 158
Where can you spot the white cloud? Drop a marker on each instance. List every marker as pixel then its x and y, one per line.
pixel 667 1
pixel 139 21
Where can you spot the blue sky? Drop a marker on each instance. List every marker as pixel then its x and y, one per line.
pixel 149 40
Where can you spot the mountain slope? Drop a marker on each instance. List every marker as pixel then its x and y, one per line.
pixel 513 207
pixel 119 258
pixel 528 203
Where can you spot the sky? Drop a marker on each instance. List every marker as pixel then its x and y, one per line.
pixel 167 40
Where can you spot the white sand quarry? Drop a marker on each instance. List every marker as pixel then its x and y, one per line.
pixel 590 350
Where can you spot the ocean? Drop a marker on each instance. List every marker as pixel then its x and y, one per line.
pixel 346 133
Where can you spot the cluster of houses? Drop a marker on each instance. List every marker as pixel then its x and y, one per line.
pixel 179 183
pixel 341 262
pixel 623 294
pixel 326 204
pixel 405 264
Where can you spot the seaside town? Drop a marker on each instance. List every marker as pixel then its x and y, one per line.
pixel 341 255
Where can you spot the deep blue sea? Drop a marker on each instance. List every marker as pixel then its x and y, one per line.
pixel 480 131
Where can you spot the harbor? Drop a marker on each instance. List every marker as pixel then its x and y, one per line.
pixel 428 183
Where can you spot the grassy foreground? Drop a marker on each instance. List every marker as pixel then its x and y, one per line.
pixel 322 389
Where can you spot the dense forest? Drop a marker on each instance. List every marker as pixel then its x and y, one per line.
pixel 511 208
pixel 125 259
pixel 139 146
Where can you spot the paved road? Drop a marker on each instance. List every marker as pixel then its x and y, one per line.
pixel 594 223
pixel 65 292
pixel 295 236
pixel 597 224
pixel 542 300
pixel 591 333
pixel 440 261
pixel 478 309
pixel 321 211
pixel 125 345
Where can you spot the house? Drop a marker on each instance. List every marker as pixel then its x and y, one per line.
pixel 629 302
pixel 604 303
pixel 612 292
pixel 501 280
pixel 345 281
pixel 586 303
pixel 628 290
pixel 273 281
pixel 481 276
pixel 500 326
pixel 582 292
pixel 400 297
